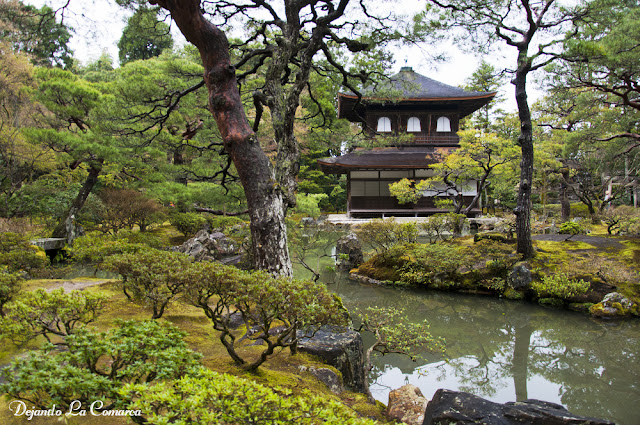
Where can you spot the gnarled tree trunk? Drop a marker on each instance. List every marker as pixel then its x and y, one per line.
pixel 66 228
pixel 264 196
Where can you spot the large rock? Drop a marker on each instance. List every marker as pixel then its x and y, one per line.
pixel 614 305
pixel 205 246
pixel 407 404
pixel 343 350
pixel 520 276
pixel 451 407
pixel 349 252
pixel 327 376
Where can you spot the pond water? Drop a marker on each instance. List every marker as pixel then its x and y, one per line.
pixel 504 351
pixel 507 350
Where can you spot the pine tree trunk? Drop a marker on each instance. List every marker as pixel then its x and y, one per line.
pixel 565 206
pixel 525 140
pixel 264 196
pixel 66 228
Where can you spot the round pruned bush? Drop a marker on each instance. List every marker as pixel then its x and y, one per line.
pixel 188 223
pixel 212 398
pixel 572 228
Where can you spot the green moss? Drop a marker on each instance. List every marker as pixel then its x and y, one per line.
pixel 512 294
pixel 583 307
pixel 597 309
pixel 551 302
pixel 496 237
pixel 367 409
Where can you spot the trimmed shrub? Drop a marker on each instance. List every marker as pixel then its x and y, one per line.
pixel 572 228
pixel 17 253
pixel 188 223
pixel 212 398
pixel 382 235
pixel 559 286
pixel 97 364
pixel 10 284
pixel 54 314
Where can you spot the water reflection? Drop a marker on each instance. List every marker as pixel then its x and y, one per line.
pixel 504 351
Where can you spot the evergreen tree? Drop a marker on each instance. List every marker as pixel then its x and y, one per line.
pixel 144 36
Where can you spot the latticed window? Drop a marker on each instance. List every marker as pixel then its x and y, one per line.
pixel 413 125
pixel 384 125
pixel 444 124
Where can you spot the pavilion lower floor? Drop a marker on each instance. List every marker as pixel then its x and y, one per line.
pixel 387 206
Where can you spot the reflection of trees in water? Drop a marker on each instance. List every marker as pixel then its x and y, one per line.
pixel 491 342
pixel 598 367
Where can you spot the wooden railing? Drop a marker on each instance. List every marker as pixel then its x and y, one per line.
pixel 421 139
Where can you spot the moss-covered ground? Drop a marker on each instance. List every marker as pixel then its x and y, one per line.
pixel 607 263
pixel 283 369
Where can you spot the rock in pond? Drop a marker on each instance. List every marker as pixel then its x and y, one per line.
pixel 451 407
pixel 407 404
pixel 614 305
pixel 343 350
pixel 350 247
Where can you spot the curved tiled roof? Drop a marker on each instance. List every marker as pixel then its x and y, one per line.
pixel 408 84
pixel 387 158
pixel 410 88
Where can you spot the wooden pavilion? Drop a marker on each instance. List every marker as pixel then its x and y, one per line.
pixel 420 117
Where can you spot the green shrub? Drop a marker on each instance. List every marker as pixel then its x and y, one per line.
pixel 263 302
pixel 10 284
pixel 434 265
pixel 559 285
pixel 572 228
pixel 580 210
pixel 17 253
pixel 212 398
pixel 224 223
pixel 381 235
pixel 443 226
pixel 94 248
pixel 97 364
pixel 153 276
pixel 187 223
pixel 308 204
pixel 56 314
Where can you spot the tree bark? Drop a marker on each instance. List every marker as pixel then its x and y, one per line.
pixel 264 196
pixel 66 226
pixel 524 246
pixel 565 206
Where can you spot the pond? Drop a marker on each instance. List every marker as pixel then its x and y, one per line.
pixel 507 350
pixel 504 351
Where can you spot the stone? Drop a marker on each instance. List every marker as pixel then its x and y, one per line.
pixel 460 408
pixel 308 221
pixel 349 252
pixel 205 246
pixel 327 376
pixel 520 276
pixel 50 243
pixel 407 404
pixel 612 305
pixel 342 349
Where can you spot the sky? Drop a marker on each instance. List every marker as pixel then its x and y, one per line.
pixel 98 25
